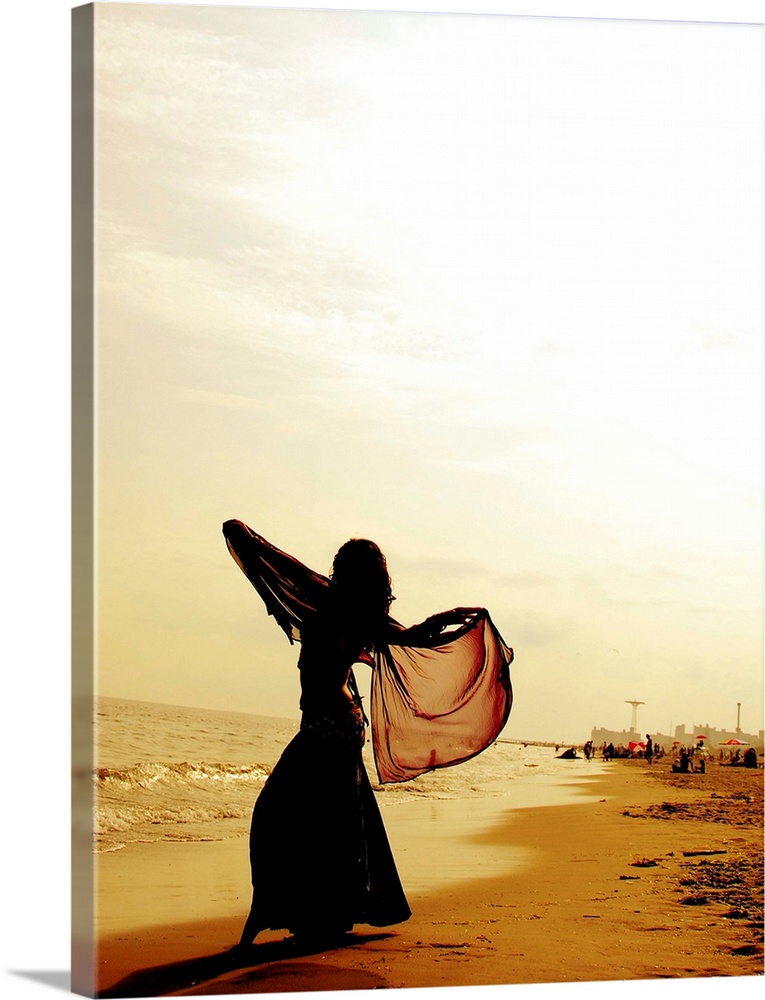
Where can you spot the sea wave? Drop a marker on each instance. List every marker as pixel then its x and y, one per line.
pixel 147 774
pixel 116 819
pixel 173 801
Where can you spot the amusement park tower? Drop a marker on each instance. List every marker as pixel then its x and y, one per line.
pixel 633 724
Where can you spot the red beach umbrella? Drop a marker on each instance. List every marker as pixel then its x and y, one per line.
pixel 734 743
pixel 637 746
pixel 701 736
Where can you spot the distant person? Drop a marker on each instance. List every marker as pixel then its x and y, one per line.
pixel 319 854
pixel 648 748
pixel 609 752
pixel 750 758
pixel 684 765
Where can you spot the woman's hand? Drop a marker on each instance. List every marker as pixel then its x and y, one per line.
pixel 430 629
pixel 457 616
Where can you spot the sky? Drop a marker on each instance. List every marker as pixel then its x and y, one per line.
pixel 485 289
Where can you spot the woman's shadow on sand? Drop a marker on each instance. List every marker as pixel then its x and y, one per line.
pixel 255 964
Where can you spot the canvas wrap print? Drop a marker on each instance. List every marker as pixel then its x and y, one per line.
pixel 417 516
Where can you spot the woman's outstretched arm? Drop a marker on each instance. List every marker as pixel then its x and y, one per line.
pixel 428 631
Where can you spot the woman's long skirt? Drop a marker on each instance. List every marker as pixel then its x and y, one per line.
pixel 319 853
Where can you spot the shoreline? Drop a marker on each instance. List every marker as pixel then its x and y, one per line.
pixel 586 890
pixel 221 875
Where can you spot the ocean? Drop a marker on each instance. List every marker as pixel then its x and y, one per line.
pixel 172 773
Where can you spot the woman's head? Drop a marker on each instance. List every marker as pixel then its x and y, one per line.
pixel 360 577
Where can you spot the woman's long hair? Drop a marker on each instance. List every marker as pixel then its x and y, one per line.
pixel 359 582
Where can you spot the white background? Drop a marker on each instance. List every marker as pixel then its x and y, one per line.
pixel 35 492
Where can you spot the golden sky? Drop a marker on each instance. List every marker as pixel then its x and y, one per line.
pixel 485 289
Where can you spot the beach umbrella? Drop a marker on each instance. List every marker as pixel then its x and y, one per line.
pixel 734 743
pixel 634 747
pixel 701 736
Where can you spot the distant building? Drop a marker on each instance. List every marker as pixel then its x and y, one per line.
pixel 624 737
pixel 714 737
pixel 686 737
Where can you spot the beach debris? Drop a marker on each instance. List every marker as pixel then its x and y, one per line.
pixel 698 854
pixel 628 878
pixel 645 863
pixel 747 949
pixel 694 900
pixel 736 883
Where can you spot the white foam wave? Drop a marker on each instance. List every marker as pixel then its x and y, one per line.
pixel 149 773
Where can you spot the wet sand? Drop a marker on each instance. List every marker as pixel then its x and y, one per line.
pixel 635 875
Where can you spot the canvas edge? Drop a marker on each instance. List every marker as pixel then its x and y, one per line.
pixel 83 507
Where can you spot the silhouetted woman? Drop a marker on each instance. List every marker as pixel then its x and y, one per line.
pixel 319 854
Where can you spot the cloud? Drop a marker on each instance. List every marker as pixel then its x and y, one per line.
pixel 528 580
pixel 533 630
pixel 716 339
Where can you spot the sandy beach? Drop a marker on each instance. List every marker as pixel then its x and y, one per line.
pixel 634 874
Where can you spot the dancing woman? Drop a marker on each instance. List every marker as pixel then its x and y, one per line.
pixel 319 854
